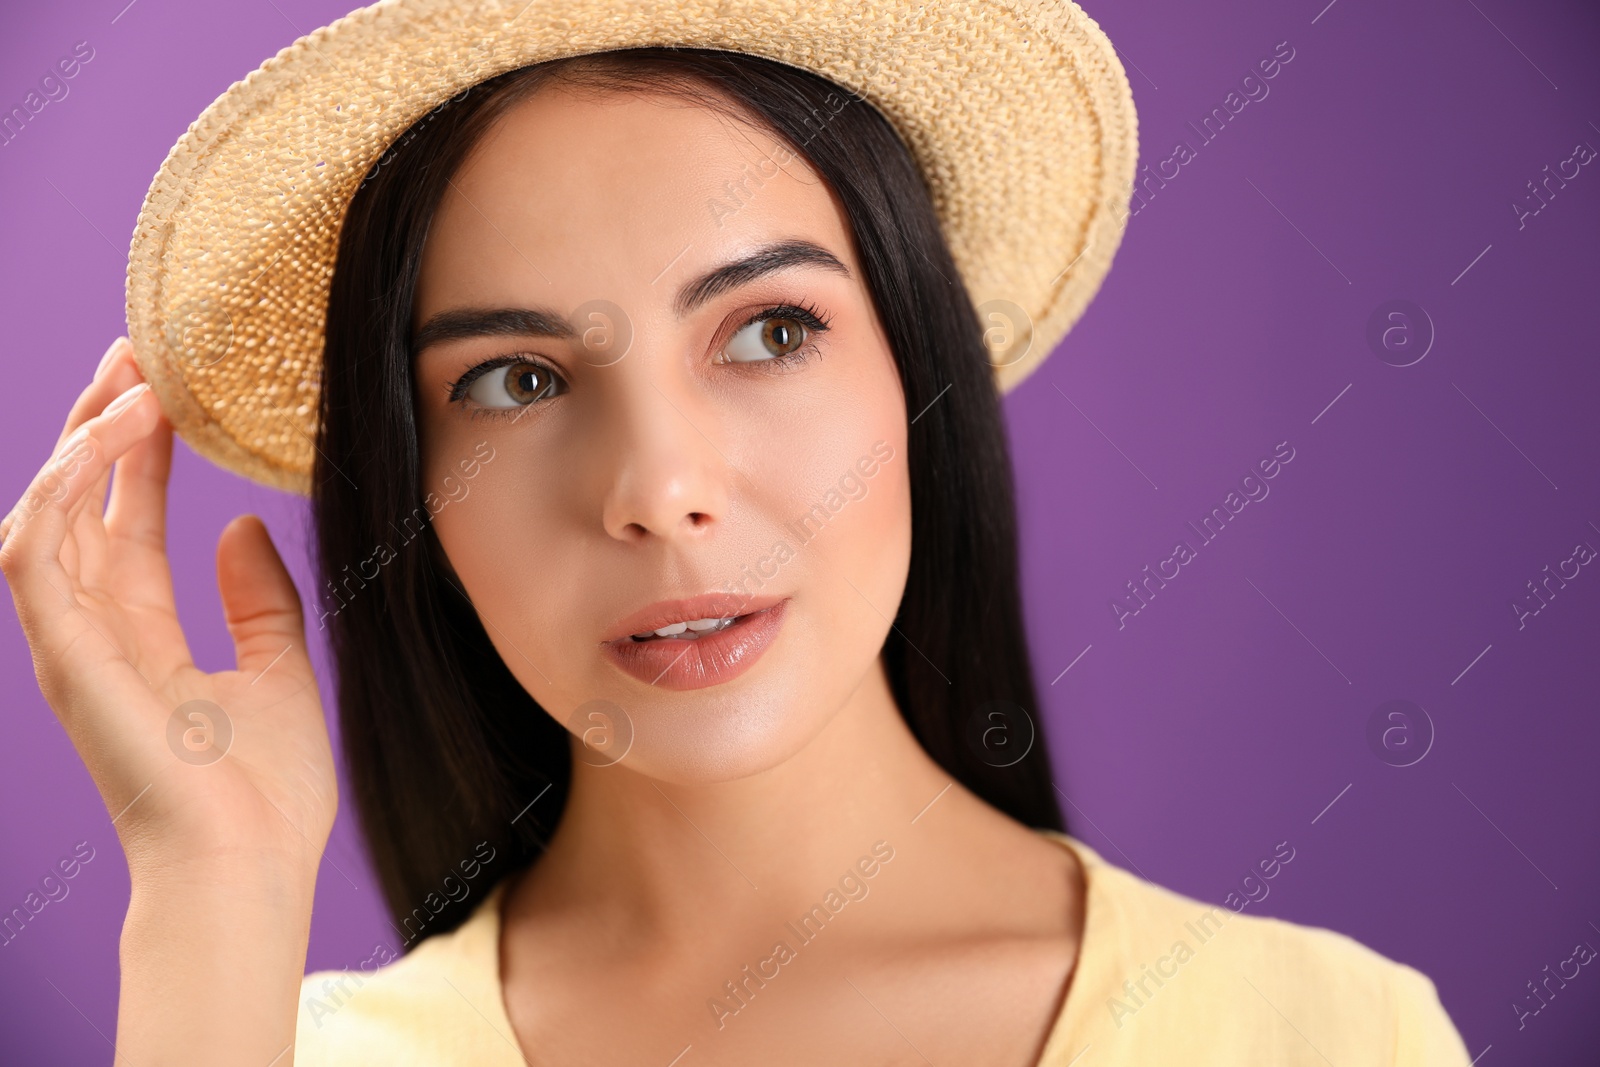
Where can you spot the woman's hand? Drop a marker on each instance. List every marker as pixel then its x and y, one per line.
pixel 189 764
pixel 220 785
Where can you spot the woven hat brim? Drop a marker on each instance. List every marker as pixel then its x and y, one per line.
pixel 1018 113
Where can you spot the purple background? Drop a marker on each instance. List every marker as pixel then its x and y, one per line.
pixel 1231 712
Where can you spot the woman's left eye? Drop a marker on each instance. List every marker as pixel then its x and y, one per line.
pixel 777 334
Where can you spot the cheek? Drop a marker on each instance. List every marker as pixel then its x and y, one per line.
pixel 832 465
pixel 868 536
pixel 514 553
pixel 823 440
pixel 865 567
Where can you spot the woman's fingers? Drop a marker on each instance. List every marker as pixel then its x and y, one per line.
pixel 116 374
pixel 137 511
pixel 30 555
pixel 259 600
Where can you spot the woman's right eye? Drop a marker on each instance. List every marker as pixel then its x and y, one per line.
pixel 514 385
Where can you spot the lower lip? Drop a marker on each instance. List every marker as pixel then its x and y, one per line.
pixel 704 661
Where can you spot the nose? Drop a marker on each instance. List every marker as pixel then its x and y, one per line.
pixel 668 480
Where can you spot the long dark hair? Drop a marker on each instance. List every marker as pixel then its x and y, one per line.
pixel 445 748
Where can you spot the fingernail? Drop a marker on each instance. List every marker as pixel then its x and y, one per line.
pixel 111 354
pixel 123 402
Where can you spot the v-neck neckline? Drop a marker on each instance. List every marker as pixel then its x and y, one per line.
pixel 1062 1045
pixel 481 946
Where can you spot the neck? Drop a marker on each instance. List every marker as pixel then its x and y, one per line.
pixel 644 854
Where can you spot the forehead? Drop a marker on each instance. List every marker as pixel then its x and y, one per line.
pixel 616 191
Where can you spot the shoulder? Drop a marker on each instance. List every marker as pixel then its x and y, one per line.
pixel 439 1004
pixel 1163 973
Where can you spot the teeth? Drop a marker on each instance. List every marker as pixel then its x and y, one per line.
pixel 694 627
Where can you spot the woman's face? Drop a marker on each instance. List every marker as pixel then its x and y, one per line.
pixel 654 395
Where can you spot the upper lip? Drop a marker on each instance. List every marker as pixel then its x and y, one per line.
pixel 706 606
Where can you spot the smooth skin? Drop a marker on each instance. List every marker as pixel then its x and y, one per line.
pixel 657 475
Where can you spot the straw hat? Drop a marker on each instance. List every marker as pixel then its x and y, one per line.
pixel 1017 112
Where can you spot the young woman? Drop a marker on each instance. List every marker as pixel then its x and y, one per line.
pixel 665 523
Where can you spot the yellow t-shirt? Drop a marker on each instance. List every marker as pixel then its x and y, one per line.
pixel 1160 979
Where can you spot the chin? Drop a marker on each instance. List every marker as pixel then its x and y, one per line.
pixel 714 736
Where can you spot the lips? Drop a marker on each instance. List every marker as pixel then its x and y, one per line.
pixel 729 635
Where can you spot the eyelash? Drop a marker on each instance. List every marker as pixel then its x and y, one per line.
pixel 811 317
pixel 457 390
pixel 814 319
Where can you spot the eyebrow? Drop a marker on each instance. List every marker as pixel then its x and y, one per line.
pixel 459 324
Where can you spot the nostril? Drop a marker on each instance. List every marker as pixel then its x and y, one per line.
pixel 699 518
